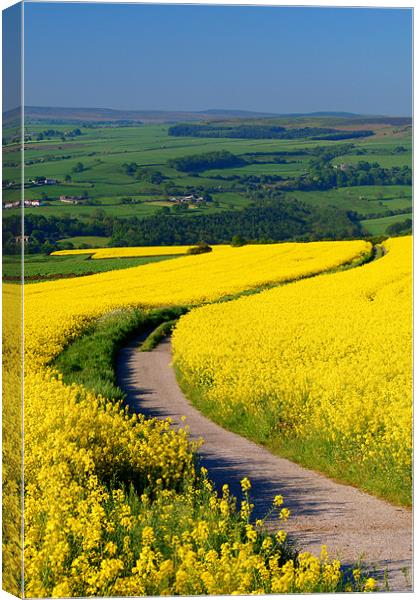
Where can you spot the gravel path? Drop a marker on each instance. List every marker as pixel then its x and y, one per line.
pixel 351 523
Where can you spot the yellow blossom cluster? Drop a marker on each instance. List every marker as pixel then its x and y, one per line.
pixel 182 545
pixel 320 369
pixel 76 445
pixel 12 441
pixel 106 492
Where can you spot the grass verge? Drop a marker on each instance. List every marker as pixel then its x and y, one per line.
pixel 157 335
pixel 320 455
pixel 91 359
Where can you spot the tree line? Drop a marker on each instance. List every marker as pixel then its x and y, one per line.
pixel 324 176
pixel 263 132
pixel 209 160
pixel 272 218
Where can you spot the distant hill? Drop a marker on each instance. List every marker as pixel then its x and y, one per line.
pixel 109 115
pixel 144 116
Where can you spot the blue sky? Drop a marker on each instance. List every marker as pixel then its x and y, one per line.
pixel 179 57
pixel 12 57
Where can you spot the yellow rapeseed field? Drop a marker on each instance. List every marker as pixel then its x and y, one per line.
pixel 127 252
pixel 12 438
pixel 56 311
pixel 112 506
pixel 320 369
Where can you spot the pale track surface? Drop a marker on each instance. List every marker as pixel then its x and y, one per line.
pixel 350 522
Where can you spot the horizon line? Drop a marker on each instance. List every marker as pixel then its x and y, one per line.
pixel 209 110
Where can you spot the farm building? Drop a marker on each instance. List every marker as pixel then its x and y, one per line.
pixel 33 203
pixel 22 238
pixel 15 204
pixel 191 199
pixel 43 181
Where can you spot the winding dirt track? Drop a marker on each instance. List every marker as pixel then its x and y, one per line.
pixel 351 523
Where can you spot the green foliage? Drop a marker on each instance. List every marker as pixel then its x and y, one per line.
pixel 200 248
pixel 157 335
pixel 209 160
pixel 79 168
pixel 403 228
pixel 90 359
pixel 380 226
pixel 323 176
pixel 258 132
pixel 237 241
pixel 130 168
pixel 270 218
pixel 150 176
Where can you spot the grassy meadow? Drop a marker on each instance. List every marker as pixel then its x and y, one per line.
pixel 379 225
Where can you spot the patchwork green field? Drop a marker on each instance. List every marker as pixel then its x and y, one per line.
pixel 159 184
pixel 104 150
pixel 365 200
pixel 379 226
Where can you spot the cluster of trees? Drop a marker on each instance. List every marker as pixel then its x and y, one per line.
pixel 263 132
pixel 248 179
pixel 321 157
pixel 209 160
pixel 150 176
pixel 73 133
pixel 280 153
pixel 324 152
pixel 274 219
pixel 48 133
pixel 323 176
pixel 200 248
pixel 51 133
pixel 143 173
pixel 224 131
pixel 399 150
pixel 344 135
pixel 78 168
pixel 130 168
pixel 44 231
pixel 34 161
pixel 402 228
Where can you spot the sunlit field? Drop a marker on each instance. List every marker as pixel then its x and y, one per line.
pixel 113 504
pixel 319 370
